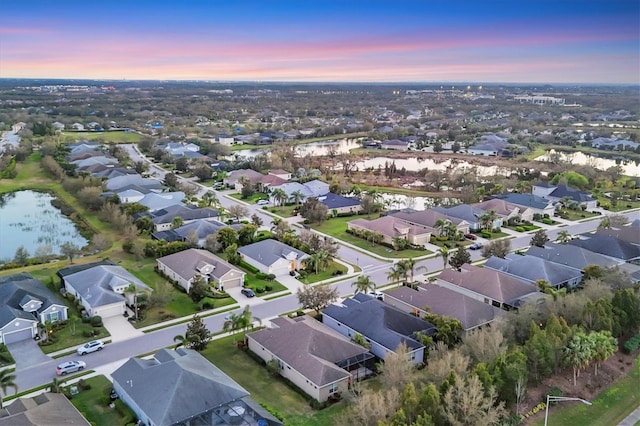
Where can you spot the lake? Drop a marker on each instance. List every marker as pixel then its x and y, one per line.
pixel 629 167
pixel 27 218
pixel 314 148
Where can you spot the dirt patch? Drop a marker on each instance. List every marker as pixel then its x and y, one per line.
pixel 588 384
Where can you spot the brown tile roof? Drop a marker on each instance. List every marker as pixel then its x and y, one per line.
pixel 309 347
pixel 489 282
pixel 439 300
pixel 186 262
pixel 501 207
pixel 391 226
pixel 426 217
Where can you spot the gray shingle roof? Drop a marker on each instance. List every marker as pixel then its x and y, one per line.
pixel 176 385
pixel 268 252
pixel 166 215
pixel 309 347
pixel 379 321
pixel 16 289
pixel 44 409
pixel 184 263
pixel 526 200
pixel 608 245
pixel 531 268
pixel 570 255
pixel 491 283
pixel 95 283
pixel 439 300
pixel 562 191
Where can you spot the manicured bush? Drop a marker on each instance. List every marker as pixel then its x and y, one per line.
pixel 268 288
pixel 270 277
pixel 519 229
pixel 547 221
pixel 632 344
pixel 96 321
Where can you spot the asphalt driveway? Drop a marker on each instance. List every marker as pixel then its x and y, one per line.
pixel 27 354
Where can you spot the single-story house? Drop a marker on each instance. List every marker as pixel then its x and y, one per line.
pixel 24 303
pixel 469 214
pixel 608 245
pixel 391 227
pixel 435 299
pixel 200 228
pixel 116 184
pixel 185 266
pixel 572 256
pixel 505 209
pixel 395 144
pixel 428 218
pixel 488 286
pixel 233 179
pixel 181 387
pixel 225 140
pixel 340 204
pixel 273 257
pixel 383 326
pixel 156 201
pixel 313 188
pixel 282 174
pixel 269 181
pixel 163 218
pixel 628 234
pixel 532 269
pixel 315 358
pixel 528 201
pixel 44 409
pixel 100 287
pixel 100 159
pixel 556 193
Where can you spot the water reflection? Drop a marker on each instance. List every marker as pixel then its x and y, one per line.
pixel 27 218
pixel 629 167
pixel 314 149
pixel 399 201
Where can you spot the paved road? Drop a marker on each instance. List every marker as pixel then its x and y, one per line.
pixel 42 373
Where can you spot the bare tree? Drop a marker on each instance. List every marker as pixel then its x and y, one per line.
pixel 442 360
pixel 396 370
pixel 370 407
pixel 238 211
pixel 317 297
pixel 467 402
pixel 485 344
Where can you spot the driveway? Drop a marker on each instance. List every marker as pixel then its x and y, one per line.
pixel 120 328
pixel 27 354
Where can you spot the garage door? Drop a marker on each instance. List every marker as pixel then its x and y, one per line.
pixel 17 336
pixel 236 282
pixel 110 311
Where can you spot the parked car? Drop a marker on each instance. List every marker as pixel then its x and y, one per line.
pixel 262 202
pixel 113 395
pixel 70 367
pixel 476 246
pixel 247 292
pixel 470 237
pixel 92 346
pixel 377 294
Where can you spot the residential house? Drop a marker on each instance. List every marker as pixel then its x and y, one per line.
pixel 609 245
pixel 557 193
pixel 101 159
pixel 490 145
pixel 317 187
pixel 572 256
pixel 43 409
pixel 439 300
pixel 531 202
pixel 273 257
pixel 163 218
pixel 313 357
pixel 391 227
pixel 181 149
pixel 180 388
pixel 118 183
pixel 313 188
pixel 382 326
pixel 395 144
pixel 269 181
pixel 282 174
pixel 505 209
pixel 200 228
pixel 234 179
pixel 488 286
pixel 427 219
pixel 225 140
pixel 24 303
pixel 533 269
pixel 339 204
pixel 187 265
pixel 157 201
pixel 469 214
pixel 628 234
pixel 100 287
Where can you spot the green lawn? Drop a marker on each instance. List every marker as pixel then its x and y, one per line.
pixel 283 211
pixel 326 273
pixel 71 336
pixel 265 388
pixel 251 200
pixel 337 228
pixel 576 214
pixel 5 356
pixel 119 137
pixel 255 283
pixel 94 404
pixel 609 408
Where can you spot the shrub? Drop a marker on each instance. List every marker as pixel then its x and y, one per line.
pixel 485 234
pixel 261 275
pixel 96 321
pixel 259 290
pixel 268 288
pixel 555 391
pixel 547 221
pixel 270 277
pixel 519 229
pixel 632 344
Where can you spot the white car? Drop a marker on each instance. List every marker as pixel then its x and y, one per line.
pixel 92 346
pixel 377 294
pixel 70 367
pixel 262 202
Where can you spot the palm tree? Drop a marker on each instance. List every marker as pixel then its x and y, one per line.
pixel 210 199
pixel 364 284
pixel 487 219
pixel 409 266
pixel 578 353
pixel 133 290
pixel 318 260
pixel 7 380
pixel 397 272
pixel 442 225
pixel 232 324
pixel 563 237
pixel 247 319
pixel 181 341
pixel 443 252
pixel 297 196
pixel 279 196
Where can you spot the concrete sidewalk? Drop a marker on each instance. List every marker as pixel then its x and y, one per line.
pixel 631 419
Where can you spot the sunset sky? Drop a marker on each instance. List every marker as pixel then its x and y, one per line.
pixel 548 41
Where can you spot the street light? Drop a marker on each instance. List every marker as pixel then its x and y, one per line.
pixel 551 398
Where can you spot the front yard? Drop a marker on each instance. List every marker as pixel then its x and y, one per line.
pixel 337 228
pixel 251 200
pixel 93 403
pixel 575 214
pixel 265 388
pixel 333 269
pixel 283 211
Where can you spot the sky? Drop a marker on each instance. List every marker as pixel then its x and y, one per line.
pixel 490 41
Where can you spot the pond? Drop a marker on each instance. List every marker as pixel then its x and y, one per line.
pixel 399 201
pixel 27 218
pixel 629 167
pixel 416 164
pixel 314 148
